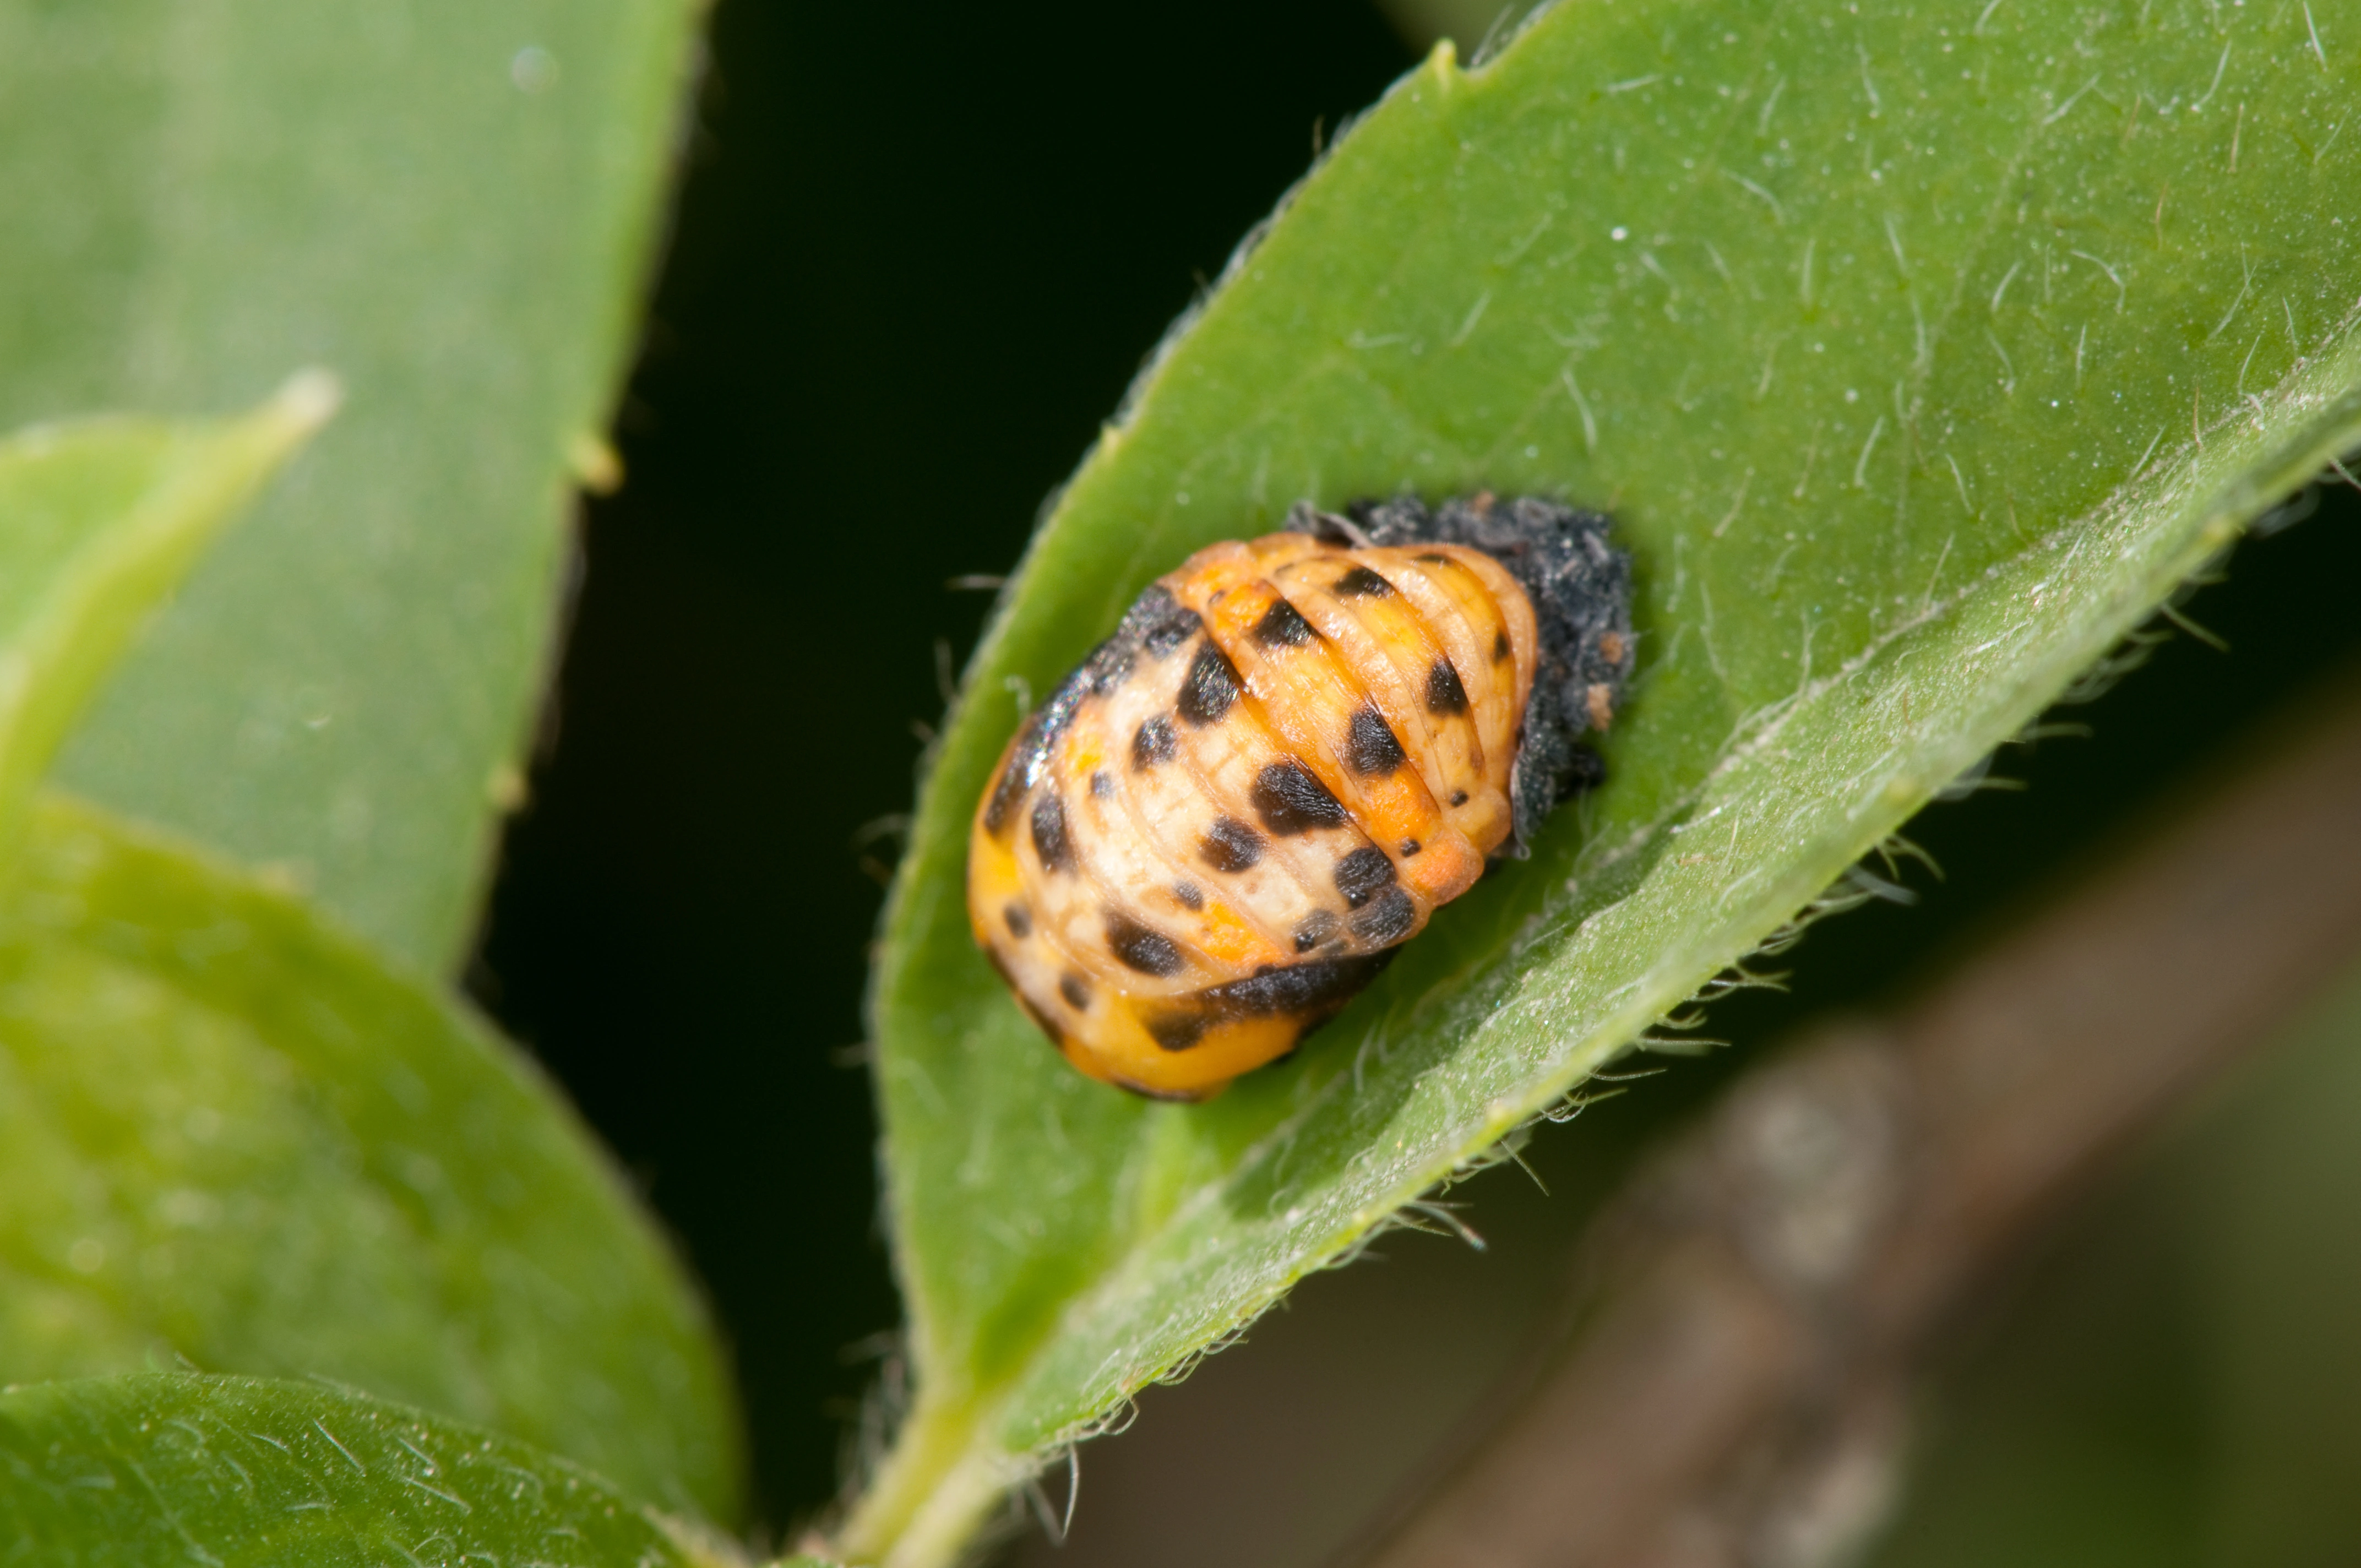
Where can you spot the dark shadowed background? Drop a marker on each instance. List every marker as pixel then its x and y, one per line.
pixel 903 292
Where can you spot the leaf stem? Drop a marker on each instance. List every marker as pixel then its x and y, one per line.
pixel 937 1484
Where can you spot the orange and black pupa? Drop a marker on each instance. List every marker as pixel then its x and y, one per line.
pixel 1227 820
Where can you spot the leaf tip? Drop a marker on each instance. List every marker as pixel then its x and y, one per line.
pixel 595 464
pixel 308 400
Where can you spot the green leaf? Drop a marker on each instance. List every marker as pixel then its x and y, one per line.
pixel 449 204
pixel 1918 355
pixel 99 521
pixel 2174 1383
pixel 228 1133
pixel 239 1471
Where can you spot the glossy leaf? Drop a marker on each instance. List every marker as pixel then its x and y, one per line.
pixel 230 1137
pixel 449 205
pixel 238 1473
pixel 1918 354
pixel 99 521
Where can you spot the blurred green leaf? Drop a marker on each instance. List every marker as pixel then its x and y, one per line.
pixel 2179 1383
pixel 1918 355
pixel 99 521
pixel 238 1473
pixel 228 1133
pixel 2272 1194
pixel 448 203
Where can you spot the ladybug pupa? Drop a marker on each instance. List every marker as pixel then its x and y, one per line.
pixel 1233 813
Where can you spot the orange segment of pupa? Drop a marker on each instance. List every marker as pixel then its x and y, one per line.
pixel 1089 906
pixel 1170 917
pixel 1320 709
pixel 1131 873
pixel 1240 921
pixel 1515 614
pixel 1378 637
pixel 1125 1052
pixel 1456 609
pixel 1279 882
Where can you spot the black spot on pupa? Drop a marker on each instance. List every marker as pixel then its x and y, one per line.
pixel 1102 786
pixel 1154 743
pixel 1044 729
pixel 1190 894
pixel 1459 797
pixel 1314 929
pixel 1171 632
pixel 1434 558
pixel 1314 988
pixel 1110 665
pixel 1444 691
pixel 1370 748
pixel 1578 587
pixel 1289 799
pixel 1232 846
pixel 1005 791
pixel 1075 990
pixel 1211 687
pixel 1388 920
pixel 1178 1031
pixel 1020 919
pixel 1410 847
pixel 1149 952
pixel 1360 874
pixel 1362 583
pixel 1283 626
pixel 1010 787
pixel 1050 840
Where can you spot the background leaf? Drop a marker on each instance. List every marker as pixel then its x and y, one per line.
pixel 449 205
pixel 2173 1384
pixel 1917 362
pixel 235 1472
pixel 98 522
pixel 228 1134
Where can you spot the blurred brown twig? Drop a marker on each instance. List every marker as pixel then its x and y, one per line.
pixel 1730 1381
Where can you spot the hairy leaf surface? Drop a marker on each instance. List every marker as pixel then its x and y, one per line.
pixel 167 1469
pixel 1918 355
